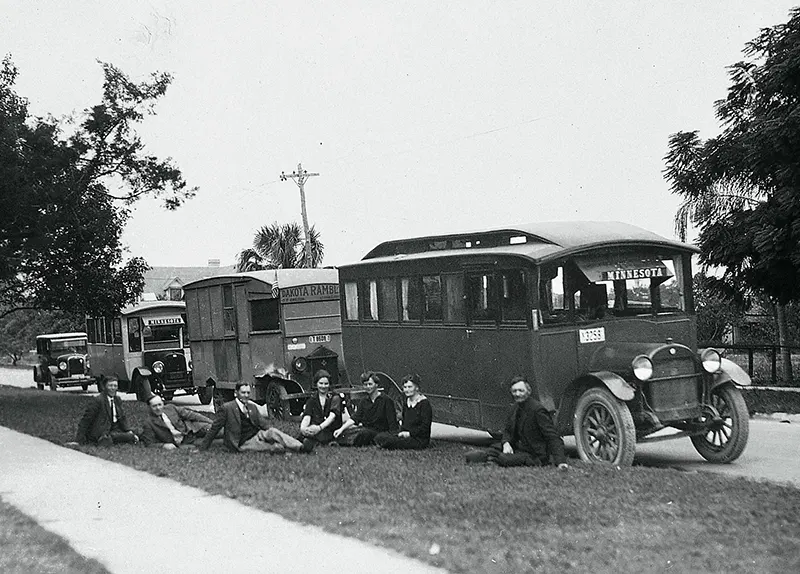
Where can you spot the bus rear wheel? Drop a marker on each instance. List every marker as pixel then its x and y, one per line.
pixel 603 427
pixel 728 421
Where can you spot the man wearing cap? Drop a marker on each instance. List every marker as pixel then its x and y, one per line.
pixel 171 426
pixel 530 438
pixel 104 420
pixel 245 429
pixel 372 414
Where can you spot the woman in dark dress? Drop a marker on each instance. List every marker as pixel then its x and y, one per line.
pixel 415 430
pixel 322 414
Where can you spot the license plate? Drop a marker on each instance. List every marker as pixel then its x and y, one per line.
pixel 597 335
pixel 319 339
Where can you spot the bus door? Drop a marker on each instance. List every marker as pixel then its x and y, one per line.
pixel 131 350
pixel 555 342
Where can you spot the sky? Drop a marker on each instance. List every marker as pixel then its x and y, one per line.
pixel 421 118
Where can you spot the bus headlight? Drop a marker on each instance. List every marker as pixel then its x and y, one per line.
pixel 642 367
pixel 712 362
pixel 62 365
pixel 158 367
pixel 300 364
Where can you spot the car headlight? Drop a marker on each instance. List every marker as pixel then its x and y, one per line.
pixel 62 365
pixel 158 367
pixel 712 362
pixel 642 367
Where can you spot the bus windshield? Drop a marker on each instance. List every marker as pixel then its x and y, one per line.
pixel 162 336
pixel 613 285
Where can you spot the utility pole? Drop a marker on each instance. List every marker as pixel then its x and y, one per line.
pixel 299 177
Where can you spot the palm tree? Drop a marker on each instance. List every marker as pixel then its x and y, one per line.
pixel 280 247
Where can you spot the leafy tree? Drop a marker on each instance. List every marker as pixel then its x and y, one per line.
pixel 741 189
pixel 280 247
pixel 65 197
pixel 18 331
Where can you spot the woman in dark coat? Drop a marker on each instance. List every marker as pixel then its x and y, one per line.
pixel 415 430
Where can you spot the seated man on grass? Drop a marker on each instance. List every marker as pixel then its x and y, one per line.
pixel 372 414
pixel 170 426
pixel 104 420
pixel 245 429
pixel 530 437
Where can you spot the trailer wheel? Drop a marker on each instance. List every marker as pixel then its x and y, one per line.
pixel 276 401
pixel 728 423
pixel 603 427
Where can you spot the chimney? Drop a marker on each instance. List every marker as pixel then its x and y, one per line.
pixel 213 262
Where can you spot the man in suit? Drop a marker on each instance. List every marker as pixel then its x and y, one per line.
pixel 104 420
pixel 530 438
pixel 245 429
pixel 170 426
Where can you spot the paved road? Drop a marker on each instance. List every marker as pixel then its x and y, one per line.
pixel 773 451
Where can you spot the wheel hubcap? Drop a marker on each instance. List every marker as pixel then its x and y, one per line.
pixel 601 433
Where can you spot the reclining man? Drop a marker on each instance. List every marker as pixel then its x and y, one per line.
pixel 170 426
pixel 245 429
pixel 104 420
pixel 530 438
pixel 372 414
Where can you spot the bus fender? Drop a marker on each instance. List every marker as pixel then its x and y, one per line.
pixel 730 372
pixel 618 386
pixel 144 372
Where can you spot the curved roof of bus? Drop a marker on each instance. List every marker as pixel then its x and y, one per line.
pixel 545 241
pixel 283 277
pixel 150 305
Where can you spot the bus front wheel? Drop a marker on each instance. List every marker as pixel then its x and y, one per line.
pixel 727 421
pixel 276 401
pixel 603 428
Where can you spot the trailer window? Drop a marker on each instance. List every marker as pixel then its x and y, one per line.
pixel 228 310
pixel 264 315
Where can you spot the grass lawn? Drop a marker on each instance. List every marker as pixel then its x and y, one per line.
pixel 483 518
pixel 29 548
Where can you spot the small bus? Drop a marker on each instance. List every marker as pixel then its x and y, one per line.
pixel 598 316
pixel 145 347
pixel 272 328
pixel 62 361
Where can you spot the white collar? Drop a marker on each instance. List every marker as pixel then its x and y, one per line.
pixel 242 408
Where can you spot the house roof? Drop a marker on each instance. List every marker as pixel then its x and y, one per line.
pixel 159 279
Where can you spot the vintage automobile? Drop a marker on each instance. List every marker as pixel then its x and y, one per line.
pixel 273 329
pixel 597 315
pixel 62 361
pixel 145 348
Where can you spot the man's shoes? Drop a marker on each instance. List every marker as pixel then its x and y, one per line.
pixel 105 440
pixel 308 446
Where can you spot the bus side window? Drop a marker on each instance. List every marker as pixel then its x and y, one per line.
pixel 368 300
pixel 134 335
pixel 351 301
pixel 513 295
pixel 482 290
pixel 432 290
pixel 387 299
pixel 410 298
pixel 454 308
pixel 117 331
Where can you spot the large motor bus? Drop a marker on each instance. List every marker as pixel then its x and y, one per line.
pixel 598 316
pixel 273 329
pixel 145 348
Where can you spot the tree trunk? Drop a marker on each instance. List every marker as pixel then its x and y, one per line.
pixel 783 341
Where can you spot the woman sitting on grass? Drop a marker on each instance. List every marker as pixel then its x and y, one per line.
pixel 322 414
pixel 415 430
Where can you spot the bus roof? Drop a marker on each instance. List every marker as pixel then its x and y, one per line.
pixel 179 306
pixel 538 242
pixel 282 278
pixel 62 336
